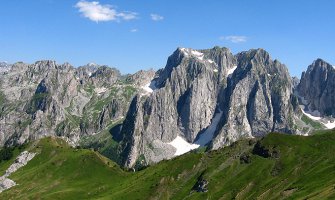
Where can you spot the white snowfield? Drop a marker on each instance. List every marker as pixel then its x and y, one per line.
pixel 193 53
pixel 182 146
pixel 311 115
pixel 20 161
pixel 315 115
pixel 330 125
pixel 208 135
pixel 231 71
pixel 196 54
pixel 210 61
pixel 149 88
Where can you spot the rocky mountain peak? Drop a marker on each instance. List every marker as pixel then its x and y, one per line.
pixel 4 67
pixel 45 65
pixel 142 77
pixel 258 57
pixel 317 86
pixel 320 66
pixel 259 63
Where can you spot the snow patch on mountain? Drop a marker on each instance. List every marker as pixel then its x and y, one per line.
pixel 196 53
pixel 193 53
pixel 149 88
pixel 208 135
pixel 210 61
pixel 329 124
pixel 231 71
pixel 182 146
pixel 315 114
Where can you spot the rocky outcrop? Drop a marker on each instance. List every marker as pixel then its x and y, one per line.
pixel 20 161
pixel 201 185
pixel 317 87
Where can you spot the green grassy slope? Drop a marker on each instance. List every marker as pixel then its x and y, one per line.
pixel 277 167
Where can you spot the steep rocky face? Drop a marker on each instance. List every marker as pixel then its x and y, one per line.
pixel 183 102
pixel 257 99
pixel 317 87
pixel 208 97
pixel 47 99
pixel 295 82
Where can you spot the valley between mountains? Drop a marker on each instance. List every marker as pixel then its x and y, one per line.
pixel 98 134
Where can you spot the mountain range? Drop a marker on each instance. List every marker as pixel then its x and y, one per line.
pixel 202 99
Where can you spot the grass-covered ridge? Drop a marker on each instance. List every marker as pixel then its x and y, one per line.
pixel 276 167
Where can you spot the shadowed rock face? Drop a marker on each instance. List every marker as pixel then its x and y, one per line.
pixel 317 86
pixel 251 90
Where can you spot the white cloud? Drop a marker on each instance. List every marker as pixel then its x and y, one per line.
pixel 127 15
pixel 156 17
pixel 98 12
pixel 134 30
pixel 234 38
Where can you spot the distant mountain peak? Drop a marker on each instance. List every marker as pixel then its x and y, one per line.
pixel 4 67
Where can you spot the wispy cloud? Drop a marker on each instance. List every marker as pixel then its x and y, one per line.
pixel 156 17
pixel 97 12
pixel 134 30
pixel 234 38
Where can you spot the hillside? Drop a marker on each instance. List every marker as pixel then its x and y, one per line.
pixel 276 167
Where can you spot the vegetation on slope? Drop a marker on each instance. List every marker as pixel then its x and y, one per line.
pixel 276 167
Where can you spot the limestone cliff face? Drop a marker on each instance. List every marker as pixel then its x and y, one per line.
pixel 317 86
pixel 257 99
pixel 48 99
pixel 251 92
pixel 183 102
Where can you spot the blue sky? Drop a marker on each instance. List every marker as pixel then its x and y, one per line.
pixel 141 34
